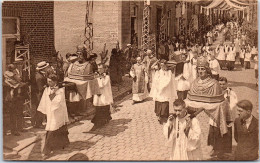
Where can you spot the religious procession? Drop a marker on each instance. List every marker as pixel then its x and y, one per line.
pixel 137 81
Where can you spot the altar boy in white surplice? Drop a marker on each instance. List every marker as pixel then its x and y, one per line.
pixel 183 134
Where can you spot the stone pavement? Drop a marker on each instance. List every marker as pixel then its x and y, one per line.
pixel 134 132
pixel 13 143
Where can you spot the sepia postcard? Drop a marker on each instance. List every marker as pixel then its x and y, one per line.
pixel 95 80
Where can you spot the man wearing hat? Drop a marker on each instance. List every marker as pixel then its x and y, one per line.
pixel 42 70
pixel 14 98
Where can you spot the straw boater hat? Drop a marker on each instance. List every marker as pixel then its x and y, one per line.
pixel 42 65
pixel 73 58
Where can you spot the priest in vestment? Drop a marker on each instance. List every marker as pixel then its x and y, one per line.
pixel 183 134
pixel 53 105
pixel 140 80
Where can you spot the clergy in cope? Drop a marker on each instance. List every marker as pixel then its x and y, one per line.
pixel 183 134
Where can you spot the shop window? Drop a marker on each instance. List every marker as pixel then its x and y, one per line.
pixel 10 26
pixel 10 35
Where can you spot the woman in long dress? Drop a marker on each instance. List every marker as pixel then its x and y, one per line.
pixel 53 104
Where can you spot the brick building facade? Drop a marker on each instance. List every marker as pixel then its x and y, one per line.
pixel 70 25
pixel 115 21
pixel 30 22
pixel 49 26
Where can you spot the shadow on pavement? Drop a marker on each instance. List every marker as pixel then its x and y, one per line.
pixel 66 152
pixel 35 153
pixel 113 128
pixel 11 142
pixel 75 124
pixel 239 84
pixel 224 157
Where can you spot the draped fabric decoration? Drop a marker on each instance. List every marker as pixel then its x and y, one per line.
pixel 239 3
pixel 234 5
pixel 178 11
pixel 248 15
pixel 214 4
pixel 227 5
pixel 207 12
pixel 223 5
pixel 183 8
pixel 220 113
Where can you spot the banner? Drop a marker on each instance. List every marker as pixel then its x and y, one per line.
pixel 220 113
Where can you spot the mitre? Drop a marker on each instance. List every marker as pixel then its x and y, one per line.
pixel 202 62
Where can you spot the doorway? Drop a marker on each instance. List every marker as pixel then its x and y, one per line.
pixel 134 38
pixel 158 20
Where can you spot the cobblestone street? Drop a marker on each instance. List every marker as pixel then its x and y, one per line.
pixel 134 132
pixel 63 62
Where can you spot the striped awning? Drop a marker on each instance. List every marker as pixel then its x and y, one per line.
pixel 227 5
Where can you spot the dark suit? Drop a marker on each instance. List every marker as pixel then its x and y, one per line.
pixel 247 140
pixel 41 82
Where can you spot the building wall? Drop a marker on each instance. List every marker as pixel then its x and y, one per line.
pixel 126 17
pixel 126 23
pixel 36 25
pixel 69 20
pixel 106 25
pixel 69 24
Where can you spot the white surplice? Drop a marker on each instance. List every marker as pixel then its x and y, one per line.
pixel 106 97
pixel 183 147
pixel 55 109
pixel 163 86
pixel 185 79
pixel 220 50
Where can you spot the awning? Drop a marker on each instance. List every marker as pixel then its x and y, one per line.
pixel 227 5
pixel 214 4
pixel 239 3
